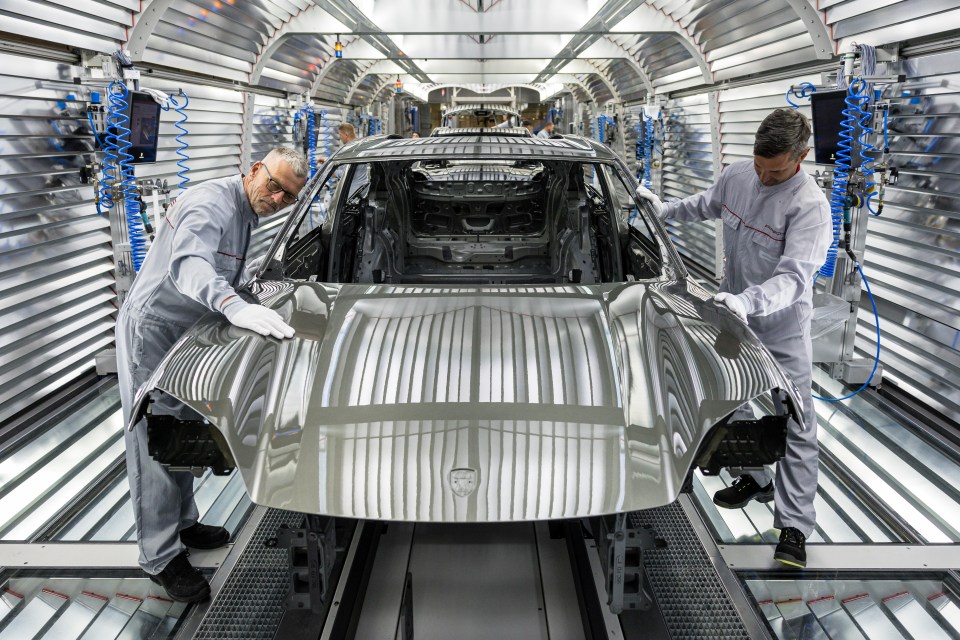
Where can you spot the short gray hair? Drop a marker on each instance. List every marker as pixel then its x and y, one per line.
pixel 298 164
pixel 783 131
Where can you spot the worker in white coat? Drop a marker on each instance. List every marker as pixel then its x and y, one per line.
pixel 776 232
pixel 193 268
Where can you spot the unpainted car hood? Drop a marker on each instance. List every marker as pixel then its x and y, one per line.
pixel 470 404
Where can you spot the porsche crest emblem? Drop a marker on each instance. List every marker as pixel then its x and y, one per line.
pixel 463 481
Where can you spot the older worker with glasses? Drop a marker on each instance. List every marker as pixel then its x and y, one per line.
pixel 193 267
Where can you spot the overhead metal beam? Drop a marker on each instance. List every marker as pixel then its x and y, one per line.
pixel 307 21
pixel 348 13
pixel 611 13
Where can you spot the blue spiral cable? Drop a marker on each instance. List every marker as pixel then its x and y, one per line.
pixel 602 122
pixel 120 135
pixel 311 138
pixel 182 168
pixel 802 90
pixel 116 106
pixel 841 177
pixel 857 98
pixel 858 89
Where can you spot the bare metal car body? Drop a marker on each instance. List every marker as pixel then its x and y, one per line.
pixel 448 389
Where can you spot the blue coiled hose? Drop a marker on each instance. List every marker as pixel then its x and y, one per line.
pixel 803 90
pixel 120 139
pixel 109 180
pixel 856 100
pixel 311 138
pixel 841 177
pixel 858 92
pixel 602 122
pixel 182 168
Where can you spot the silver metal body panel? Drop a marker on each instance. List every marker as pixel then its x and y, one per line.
pixel 470 404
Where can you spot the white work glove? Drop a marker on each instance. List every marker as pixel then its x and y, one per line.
pixel 645 194
pixel 250 269
pixel 254 317
pixel 732 302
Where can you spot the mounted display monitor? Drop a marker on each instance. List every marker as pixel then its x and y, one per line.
pixel 144 127
pixel 827 107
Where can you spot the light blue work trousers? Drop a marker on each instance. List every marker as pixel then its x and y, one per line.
pixel 162 500
pixel 795 480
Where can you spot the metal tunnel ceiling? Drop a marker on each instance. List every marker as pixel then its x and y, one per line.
pixel 607 49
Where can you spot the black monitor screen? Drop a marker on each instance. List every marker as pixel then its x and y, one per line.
pixel 144 127
pixel 827 114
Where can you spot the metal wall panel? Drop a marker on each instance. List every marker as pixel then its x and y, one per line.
pixel 337 81
pixel 884 21
pixel 688 168
pixel 664 59
pixel 239 30
pixel 742 110
pixel 913 247
pixel 624 78
pixel 297 62
pixel 56 268
pixel 96 25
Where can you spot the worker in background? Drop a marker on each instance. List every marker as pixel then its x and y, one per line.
pixel 414 135
pixel 776 232
pixel 526 124
pixel 347 133
pixel 547 130
pixel 361 175
pixel 194 266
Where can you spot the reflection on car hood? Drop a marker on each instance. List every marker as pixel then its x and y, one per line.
pixel 470 403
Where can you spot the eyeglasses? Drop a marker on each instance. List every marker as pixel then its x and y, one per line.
pixel 274 187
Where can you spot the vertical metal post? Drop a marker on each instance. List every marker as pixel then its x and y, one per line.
pixel 716 152
pixel 246 135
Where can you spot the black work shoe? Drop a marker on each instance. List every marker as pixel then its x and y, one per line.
pixel 743 490
pixel 182 581
pixel 201 536
pixel 791 550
